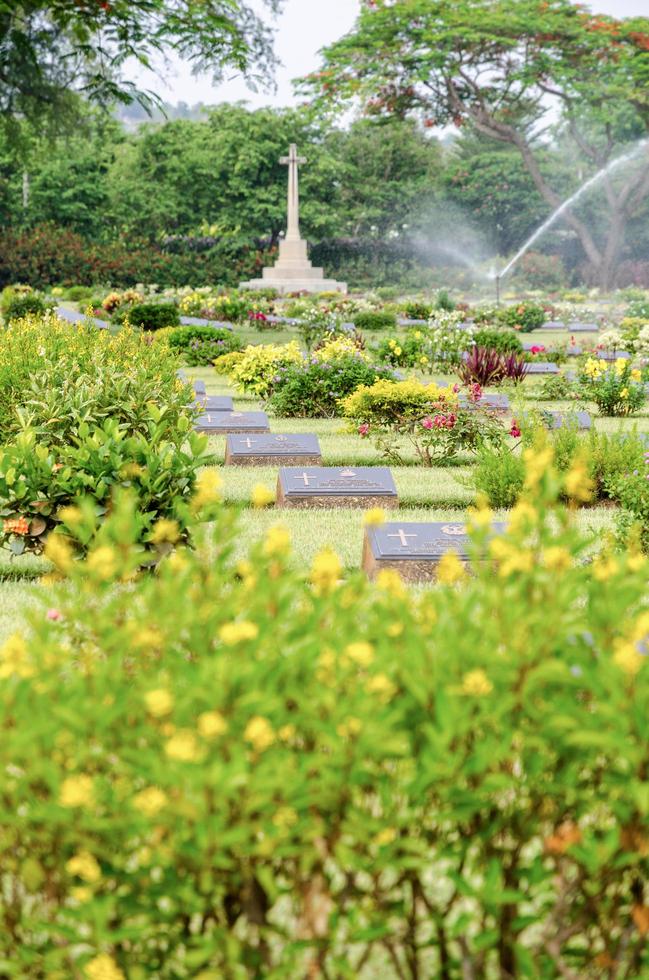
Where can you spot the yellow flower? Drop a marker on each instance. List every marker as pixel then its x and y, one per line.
pixel 397 351
pixel 77 791
pixel 81 894
pixel 159 702
pixel 150 801
pixel 59 552
pixel 130 470
pixel 102 562
pixel 176 562
pixel 326 571
pixel 350 727
pixel 385 836
pixel 165 530
pixel 476 683
pixel 620 365
pixel 259 732
pixel 261 496
pixel 627 657
pixel 285 816
pixel 423 360
pixel 211 724
pixel 238 632
pixel 537 462
pixel 13 658
pixel 392 344
pixel 578 484
pixel 480 516
pixel 70 515
pixel 183 746
pixel 417 334
pixel 277 541
pixel 388 580
pixel 604 567
pixel 84 865
pixel 450 569
pixel 208 487
pixel 382 685
pixel 286 733
pixel 556 559
pixel 103 967
pixel 394 629
pixel 374 517
pixel 361 653
pixel 522 516
pixel 636 375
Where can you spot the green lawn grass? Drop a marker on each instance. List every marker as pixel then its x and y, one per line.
pixel 438 493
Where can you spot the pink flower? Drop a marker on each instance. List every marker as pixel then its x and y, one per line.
pixel 428 422
pixel 364 429
pixel 456 388
pixel 54 615
pixel 515 431
pixel 537 349
pixel 475 392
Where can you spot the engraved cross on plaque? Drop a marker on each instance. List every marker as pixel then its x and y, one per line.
pixel 305 477
pixel 293 160
pixel 249 442
pixel 403 537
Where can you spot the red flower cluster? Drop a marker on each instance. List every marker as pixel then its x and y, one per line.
pixel 537 349
pixel 515 430
pixel 440 421
pixel 256 315
pixel 475 392
pixel 364 429
pixel 15 525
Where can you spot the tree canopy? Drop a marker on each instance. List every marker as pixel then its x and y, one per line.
pixel 51 51
pixel 509 69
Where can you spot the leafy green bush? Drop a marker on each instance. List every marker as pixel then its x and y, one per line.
pixel 426 417
pixel 77 294
pixel 41 486
pixel 616 389
pixel 314 388
pixel 410 349
pixel 612 456
pixel 22 305
pixel 523 316
pixel 375 320
pixel 503 341
pixel 639 309
pixel 632 492
pixel 233 770
pixel 82 414
pixel 153 316
pixel 417 310
pixel 258 368
pixel 202 345
pixel 498 476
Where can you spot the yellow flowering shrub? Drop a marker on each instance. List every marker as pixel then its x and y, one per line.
pixel 323 776
pixel 254 368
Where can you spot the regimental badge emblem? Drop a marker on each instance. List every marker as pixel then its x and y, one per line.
pixel 454 529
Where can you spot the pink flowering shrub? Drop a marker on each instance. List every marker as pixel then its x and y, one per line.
pixel 425 418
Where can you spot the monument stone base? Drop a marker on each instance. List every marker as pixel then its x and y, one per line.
pixel 294 273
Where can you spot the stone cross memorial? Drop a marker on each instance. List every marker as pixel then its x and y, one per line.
pixel 414 550
pixel 220 423
pixel 293 271
pixel 299 449
pixel 333 486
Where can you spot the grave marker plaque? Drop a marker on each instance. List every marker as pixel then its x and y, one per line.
pixel 199 388
pixel 557 420
pixel 214 403
pixel 583 327
pixel 542 367
pixel 415 549
pixel 495 402
pixel 220 423
pixel 614 355
pixel 265 449
pixel 334 486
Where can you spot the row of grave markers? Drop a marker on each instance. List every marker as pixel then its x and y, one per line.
pixel 412 548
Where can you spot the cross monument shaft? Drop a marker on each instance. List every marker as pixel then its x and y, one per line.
pixel 293 161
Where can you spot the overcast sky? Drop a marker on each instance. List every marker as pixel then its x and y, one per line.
pixel 304 27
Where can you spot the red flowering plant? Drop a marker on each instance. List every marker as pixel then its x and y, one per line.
pixel 408 416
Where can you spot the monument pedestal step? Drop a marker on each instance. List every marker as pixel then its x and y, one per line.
pixel 291 285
